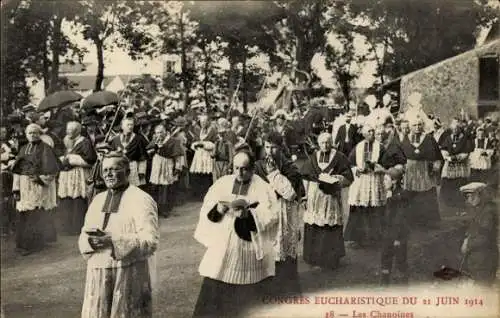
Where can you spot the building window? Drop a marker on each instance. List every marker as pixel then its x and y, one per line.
pixel 169 67
pixel 489 82
pixel 489 79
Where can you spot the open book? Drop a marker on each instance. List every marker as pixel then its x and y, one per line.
pixel 326 178
pixel 239 204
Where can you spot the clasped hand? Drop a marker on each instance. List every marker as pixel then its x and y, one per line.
pixel 376 169
pixel 37 180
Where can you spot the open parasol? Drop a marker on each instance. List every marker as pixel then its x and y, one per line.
pixel 99 99
pixel 58 100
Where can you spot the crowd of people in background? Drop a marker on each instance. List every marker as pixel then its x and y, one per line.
pixel 360 185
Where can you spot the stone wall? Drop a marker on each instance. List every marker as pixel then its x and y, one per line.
pixel 450 85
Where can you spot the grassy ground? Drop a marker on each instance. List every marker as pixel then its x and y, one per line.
pixel 50 284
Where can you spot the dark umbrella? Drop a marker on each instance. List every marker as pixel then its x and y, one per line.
pixel 99 99
pixel 58 100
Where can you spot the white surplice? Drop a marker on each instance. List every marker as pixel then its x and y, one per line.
pixel 228 258
pixel 134 234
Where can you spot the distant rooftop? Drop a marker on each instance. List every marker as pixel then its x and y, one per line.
pixel 87 82
pixel 67 68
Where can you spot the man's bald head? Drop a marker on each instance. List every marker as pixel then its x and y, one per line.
pixel 243 165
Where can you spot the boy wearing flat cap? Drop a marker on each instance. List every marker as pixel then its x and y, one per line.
pixel 480 248
pixel 396 229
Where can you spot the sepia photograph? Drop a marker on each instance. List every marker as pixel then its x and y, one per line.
pixel 288 158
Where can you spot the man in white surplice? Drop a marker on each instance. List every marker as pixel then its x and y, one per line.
pixel 118 240
pixel 237 225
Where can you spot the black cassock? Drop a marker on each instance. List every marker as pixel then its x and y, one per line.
pixel 36 227
pixel 429 152
pixel 71 211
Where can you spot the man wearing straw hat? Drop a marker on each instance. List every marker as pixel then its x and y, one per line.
pixel 479 249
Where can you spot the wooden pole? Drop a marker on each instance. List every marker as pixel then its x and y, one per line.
pixel 117 112
pixel 231 102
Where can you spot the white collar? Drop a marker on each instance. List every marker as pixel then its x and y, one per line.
pixel 323 165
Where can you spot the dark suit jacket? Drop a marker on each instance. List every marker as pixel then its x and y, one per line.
pixel 346 147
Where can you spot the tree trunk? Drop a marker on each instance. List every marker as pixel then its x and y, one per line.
pixel 206 73
pixel 100 64
pixel 232 82
pixel 185 70
pixel 345 85
pixel 244 86
pixel 303 57
pixel 56 52
pixel 46 70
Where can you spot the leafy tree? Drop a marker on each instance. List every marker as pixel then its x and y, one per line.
pixel 409 35
pixel 244 26
pixel 116 23
pixel 308 21
pixel 50 17
pixel 213 77
pixel 176 36
pixel 143 91
pixel 343 59
pixel 32 46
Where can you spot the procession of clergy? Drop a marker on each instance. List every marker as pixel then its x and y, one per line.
pixel 364 186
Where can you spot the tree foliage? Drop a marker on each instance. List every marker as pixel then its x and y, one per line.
pixel 409 35
pixel 344 60
pixel 32 47
pixel 403 36
pixel 108 24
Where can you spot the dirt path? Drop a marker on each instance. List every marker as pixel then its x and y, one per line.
pixel 50 284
